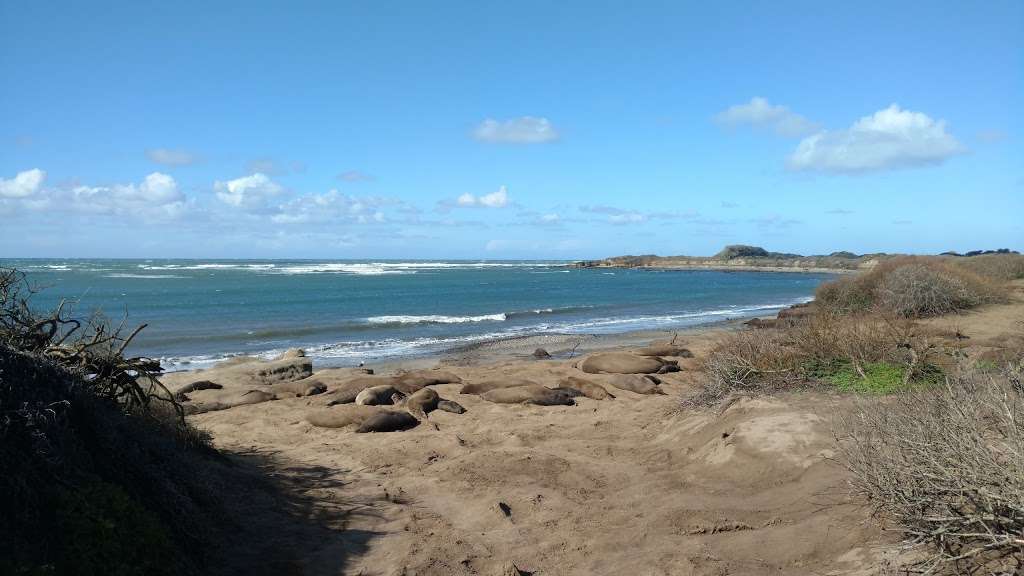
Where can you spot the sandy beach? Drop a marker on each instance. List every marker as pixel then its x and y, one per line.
pixel 634 484
pixel 625 485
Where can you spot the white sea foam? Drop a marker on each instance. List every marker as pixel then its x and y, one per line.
pixel 150 276
pixel 346 352
pixel 339 268
pixel 435 319
pixel 357 268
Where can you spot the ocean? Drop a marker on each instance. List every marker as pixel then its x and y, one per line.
pixel 346 312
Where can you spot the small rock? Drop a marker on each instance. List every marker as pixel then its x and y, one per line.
pixel 505 509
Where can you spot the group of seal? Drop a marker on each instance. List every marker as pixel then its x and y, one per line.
pixel 361 401
pixel 392 403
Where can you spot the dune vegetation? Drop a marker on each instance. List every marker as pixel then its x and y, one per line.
pixel 941 460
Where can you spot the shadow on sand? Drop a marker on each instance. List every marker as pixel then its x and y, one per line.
pixel 285 518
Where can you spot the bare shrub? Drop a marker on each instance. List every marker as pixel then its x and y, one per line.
pixel 848 294
pixel 748 361
pixel 813 350
pixel 90 347
pixel 817 348
pixel 918 290
pixel 995 266
pixel 913 287
pixel 944 466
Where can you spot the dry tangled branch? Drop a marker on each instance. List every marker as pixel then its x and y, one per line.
pixel 945 467
pixel 91 347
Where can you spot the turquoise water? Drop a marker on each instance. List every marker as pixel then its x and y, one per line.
pixel 344 312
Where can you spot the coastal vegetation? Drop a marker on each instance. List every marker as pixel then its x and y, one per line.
pixel 941 460
pixel 745 257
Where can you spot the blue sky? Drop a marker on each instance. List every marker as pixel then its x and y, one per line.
pixel 508 130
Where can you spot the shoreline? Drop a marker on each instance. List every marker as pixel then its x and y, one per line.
pixel 517 347
pixel 724 268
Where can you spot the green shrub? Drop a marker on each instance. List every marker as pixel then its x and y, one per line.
pixel 879 377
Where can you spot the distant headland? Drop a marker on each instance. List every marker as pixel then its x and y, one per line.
pixel 755 258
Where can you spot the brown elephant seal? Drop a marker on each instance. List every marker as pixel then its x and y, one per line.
pixel 586 388
pixel 529 394
pixel 182 392
pixel 388 421
pixel 422 402
pixel 450 406
pixel 641 384
pixel 488 385
pixel 342 416
pixel 664 350
pixel 298 388
pixel 377 395
pixel 541 354
pixel 348 390
pixel 620 363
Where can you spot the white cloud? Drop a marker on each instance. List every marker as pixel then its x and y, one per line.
pixel 889 138
pixel 627 218
pixel 760 113
pixel 156 197
pixel 354 176
pixel 615 215
pixel 550 218
pixel 169 157
pixel 522 130
pixel 248 192
pixel 335 207
pixel 23 184
pixel 497 199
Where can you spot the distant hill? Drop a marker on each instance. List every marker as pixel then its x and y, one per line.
pixel 743 257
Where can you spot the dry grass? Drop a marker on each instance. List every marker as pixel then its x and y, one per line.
pixel 944 466
pixel 996 266
pixel 825 347
pixel 918 287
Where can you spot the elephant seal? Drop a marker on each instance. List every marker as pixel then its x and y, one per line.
pixel 541 354
pixel 347 392
pixel 388 421
pixel 586 387
pixel 641 384
pixel 664 350
pixel 298 388
pixel 342 416
pixel 529 394
pixel 488 385
pixel 377 395
pixel 422 402
pixel 181 394
pixel 621 363
pixel 450 406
